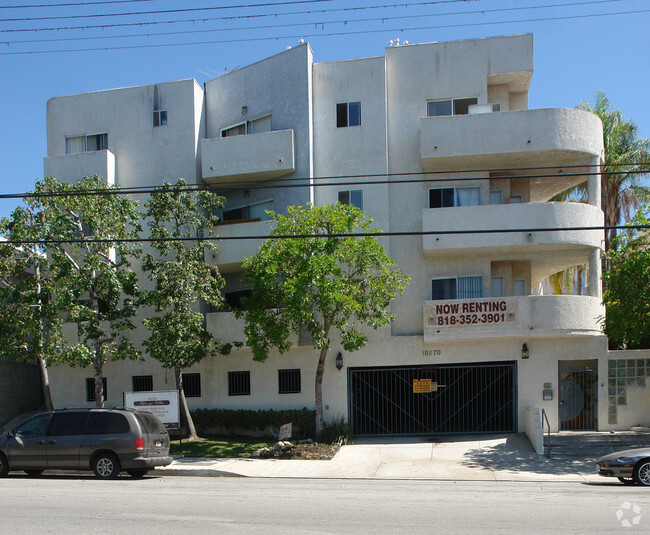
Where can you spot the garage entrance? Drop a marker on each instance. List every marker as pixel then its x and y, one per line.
pixel 421 400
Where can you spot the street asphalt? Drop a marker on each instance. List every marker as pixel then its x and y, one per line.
pixel 485 458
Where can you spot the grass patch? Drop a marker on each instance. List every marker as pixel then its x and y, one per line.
pixel 218 447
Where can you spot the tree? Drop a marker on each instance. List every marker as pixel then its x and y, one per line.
pixel 321 277
pixel 182 277
pixel 30 326
pixel 93 233
pixel 627 287
pixel 626 160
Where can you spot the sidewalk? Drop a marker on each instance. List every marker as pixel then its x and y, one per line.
pixel 497 458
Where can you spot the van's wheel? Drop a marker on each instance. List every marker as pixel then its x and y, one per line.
pixel 33 472
pixel 137 474
pixel 106 466
pixel 4 466
pixel 642 473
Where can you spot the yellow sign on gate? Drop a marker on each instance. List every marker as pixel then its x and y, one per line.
pixel 424 386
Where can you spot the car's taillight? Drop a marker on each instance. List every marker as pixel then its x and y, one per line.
pixel 139 444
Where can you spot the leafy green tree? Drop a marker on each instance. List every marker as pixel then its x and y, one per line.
pixel 93 231
pixel 626 161
pixel 626 292
pixel 325 278
pixel 182 277
pixel 30 327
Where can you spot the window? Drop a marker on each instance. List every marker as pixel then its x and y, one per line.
pixel 36 427
pixel 234 299
pixel 353 197
pixel 254 126
pixel 348 114
pixel 455 106
pixel 68 424
pixel 109 423
pixel 448 197
pixel 90 389
pixel 496 196
pixel 289 381
pixel 497 286
pixel 192 385
pixel 519 287
pixel 160 117
pixel 457 288
pixel 515 199
pixel 86 143
pixel 249 211
pixel 239 383
pixel 142 383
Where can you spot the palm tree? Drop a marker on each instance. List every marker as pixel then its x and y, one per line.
pixel 626 162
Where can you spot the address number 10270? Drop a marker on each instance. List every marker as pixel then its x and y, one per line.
pixel 431 352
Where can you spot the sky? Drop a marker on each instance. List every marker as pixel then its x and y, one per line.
pixel 72 46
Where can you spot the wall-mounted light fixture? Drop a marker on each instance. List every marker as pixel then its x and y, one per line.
pixel 244 110
pixel 339 361
pixel 524 352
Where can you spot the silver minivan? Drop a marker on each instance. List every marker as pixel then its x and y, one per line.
pixel 105 441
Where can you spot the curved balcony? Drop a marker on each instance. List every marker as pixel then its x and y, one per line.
pixel 509 218
pixel 72 167
pixel 227 328
pixel 524 138
pixel 530 316
pixel 250 157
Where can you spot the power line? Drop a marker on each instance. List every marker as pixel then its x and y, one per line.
pixel 377 234
pixel 317 35
pixel 167 11
pixel 291 25
pixel 78 4
pixel 254 16
pixel 352 180
pixel 311 12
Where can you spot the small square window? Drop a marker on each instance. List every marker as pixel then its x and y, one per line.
pixel 519 287
pixel 142 383
pixel 353 197
pixel 239 383
pixel 348 114
pixel 289 381
pixel 90 389
pixel 160 117
pixel 192 385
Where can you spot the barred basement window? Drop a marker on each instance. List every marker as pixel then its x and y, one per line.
pixel 239 383
pixel 192 385
pixel 90 389
pixel 142 383
pixel 289 381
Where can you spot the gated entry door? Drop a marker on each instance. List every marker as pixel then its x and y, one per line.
pixel 578 395
pixel 465 398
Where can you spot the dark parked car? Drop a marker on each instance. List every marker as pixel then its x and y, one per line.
pixel 103 440
pixel 629 466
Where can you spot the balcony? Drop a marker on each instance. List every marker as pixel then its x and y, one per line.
pixel 227 328
pixel 251 157
pixel 530 316
pixel 510 217
pixel 524 138
pixel 72 167
pixel 232 251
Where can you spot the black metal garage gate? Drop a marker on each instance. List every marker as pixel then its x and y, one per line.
pixel 417 400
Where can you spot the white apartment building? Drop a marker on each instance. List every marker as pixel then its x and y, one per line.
pixel 429 139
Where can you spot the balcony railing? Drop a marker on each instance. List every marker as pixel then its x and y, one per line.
pixel 512 138
pixel 530 316
pixel 249 157
pixel 72 167
pixel 509 217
